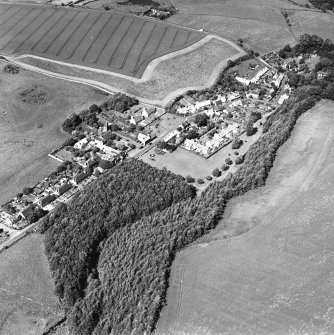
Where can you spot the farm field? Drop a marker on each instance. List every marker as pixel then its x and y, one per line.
pixel 277 277
pixel 198 67
pixel 30 131
pixel 259 23
pixel 308 22
pixel 28 304
pixel 111 41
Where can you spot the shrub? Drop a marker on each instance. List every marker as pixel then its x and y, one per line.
pixel 228 161
pixel 190 179
pixel 225 167
pixel 239 160
pixel 200 181
pixel 216 172
pixel 11 68
pixel 237 143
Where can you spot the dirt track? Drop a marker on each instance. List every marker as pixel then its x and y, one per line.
pixel 277 277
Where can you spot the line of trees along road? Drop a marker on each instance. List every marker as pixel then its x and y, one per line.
pixel 111 250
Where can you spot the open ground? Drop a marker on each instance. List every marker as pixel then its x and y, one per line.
pixel 259 23
pixel 186 163
pixel 170 77
pixel 276 277
pixel 30 131
pixel 111 41
pixel 28 304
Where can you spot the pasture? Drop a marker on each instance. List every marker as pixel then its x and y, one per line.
pixel 276 277
pixel 313 23
pixel 28 304
pixel 194 68
pixel 30 131
pixel 259 23
pixel 110 41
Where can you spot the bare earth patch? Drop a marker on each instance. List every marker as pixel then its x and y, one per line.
pixel 276 277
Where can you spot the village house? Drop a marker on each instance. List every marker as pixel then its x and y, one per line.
pixel 172 135
pixel 60 190
pixel 259 75
pixel 147 112
pixel 202 104
pixel 143 138
pixel 79 178
pixel 135 119
pixel 282 98
pixel 81 144
pixel 47 200
pixel 28 211
pixel 243 80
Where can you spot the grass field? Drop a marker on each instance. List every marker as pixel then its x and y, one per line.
pixel 186 163
pixel 115 42
pixel 258 22
pixel 277 278
pixel 30 131
pixel 313 23
pixel 26 289
pixel 188 70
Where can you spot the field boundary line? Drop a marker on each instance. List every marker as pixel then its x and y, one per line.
pixel 34 31
pixel 42 37
pixel 174 39
pixel 155 50
pixel 24 27
pixel 3 13
pixel 61 31
pixel 108 39
pixel 12 15
pixel 143 48
pixel 13 25
pixel 70 36
pixel 83 36
pixel 131 46
pixel 120 42
pixel 96 38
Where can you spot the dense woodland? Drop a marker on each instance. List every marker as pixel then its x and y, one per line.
pixel 323 4
pixel 74 233
pixel 110 251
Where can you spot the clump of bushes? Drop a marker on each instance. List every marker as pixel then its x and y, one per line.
pixel 11 68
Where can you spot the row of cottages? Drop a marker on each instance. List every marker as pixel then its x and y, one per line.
pixel 147 116
pixel 191 145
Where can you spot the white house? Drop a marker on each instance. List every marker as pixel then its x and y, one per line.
pixel 81 144
pixel 143 138
pixel 200 104
pixel 210 112
pixel 147 112
pixel 171 135
pixel 282 98
pixel 259 74
pixel 243 80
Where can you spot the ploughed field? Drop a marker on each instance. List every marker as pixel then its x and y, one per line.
pixel 110 41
